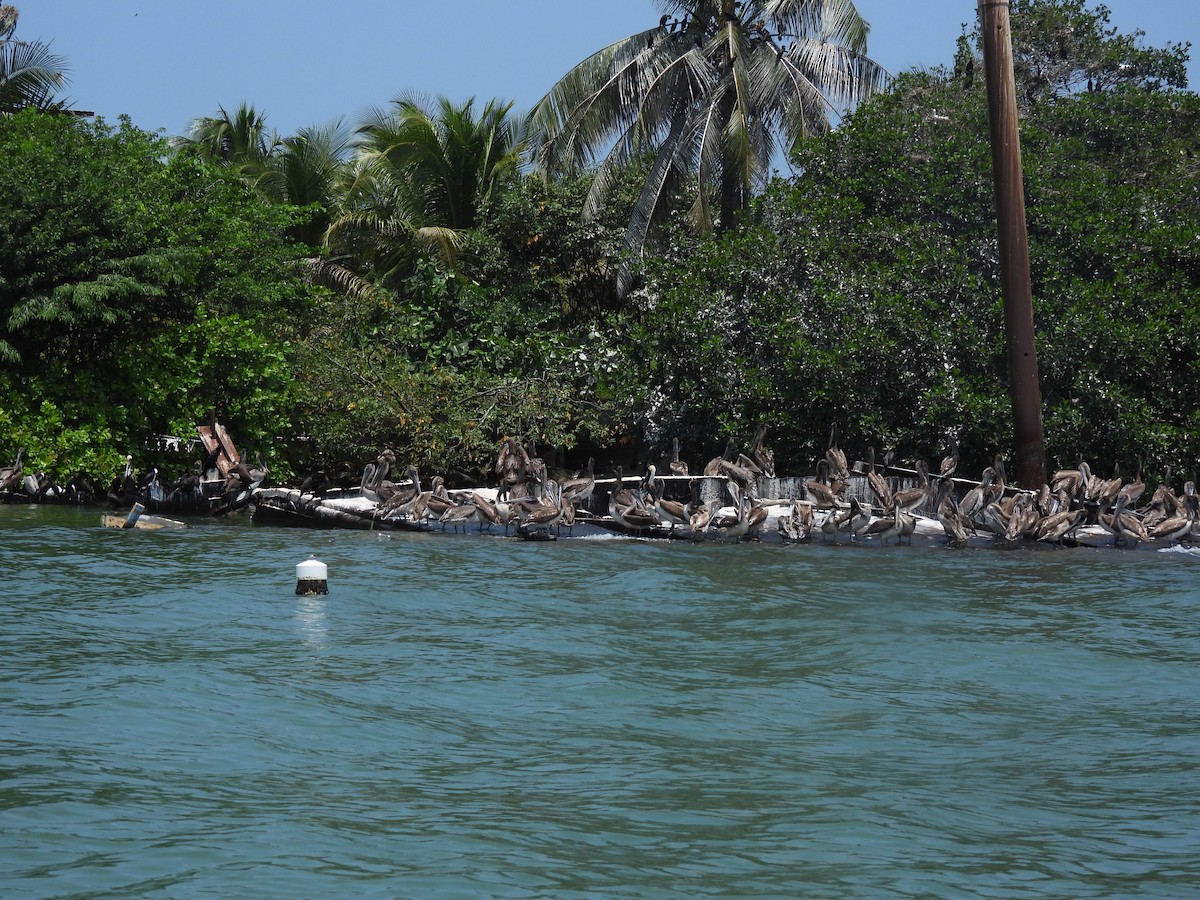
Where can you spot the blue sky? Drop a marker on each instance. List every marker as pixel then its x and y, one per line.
pixel 306 62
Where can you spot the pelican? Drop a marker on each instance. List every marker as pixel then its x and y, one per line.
pixel 1178 526
pixel 580 488
pixel 1024 518
pixel 672 512
pixel 911 499
pixel 949 463
pixel 886 527
pixel 460 514
pixel 953 523
pixel 1057 526
pixel 10 476
pixel 877 481
pixel 832 523
pixel 403 503
pixel 819 490
pixel 859 520
pixel 760 454
pixel 736 526
pixel 713 469
pixel 836 457
pixel 973 501
pixel 798 525
pixel 678 466
pixel 1133 491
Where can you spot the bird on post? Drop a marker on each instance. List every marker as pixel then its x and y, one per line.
pixel 878 481
pixel 678 466
pixel 949 464
pixel 836 457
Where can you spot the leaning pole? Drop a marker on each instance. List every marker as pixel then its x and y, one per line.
pixel 1023 383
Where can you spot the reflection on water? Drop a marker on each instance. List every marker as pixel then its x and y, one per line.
pixel 472 716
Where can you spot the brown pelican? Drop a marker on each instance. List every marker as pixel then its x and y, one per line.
pixel 1055 527
pixel 713 469
pixel 949 464
pixel 877 481
pixel 511 462
pixel 859 520
pixel 11 476
pixel 819 489
pixel 1176 527
pixel 832 523
pixel 953 523
pixel 746 479
pixel 886 527
pixel 1024 518
pixel 974 500
pixel 678 466
pixel 760 454
pixel 911 499
pixel 798 525
pixel 580 488
pixel 738 525
pixel 1133 491
pixel 838 467
pixel 672 512
pixel 403 502
pixel 1125 527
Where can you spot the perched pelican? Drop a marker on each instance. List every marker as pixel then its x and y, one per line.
pixel 1024 518
pixel 1125 527
pixel 877 481
pixel 11 476
pixel 760 454
pixel 859 520
pixel 672 512
pixel 678 466
pixel 1178 526
pixel 832 523
pixel 1055 527
pixel 713 469
pixel 838 467
pixel 949 464
pixel 953 523
pixel 911 499
pixel 798 525
pixel 1133 491
pixel 579 489
pixel 974 500
pixel 819 489
pixel 738 525
pixel 886 527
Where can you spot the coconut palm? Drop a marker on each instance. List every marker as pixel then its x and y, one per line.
pixel 30 75
pixel 712 92
pixel 438 162
pixel 240 140
pixel 422 173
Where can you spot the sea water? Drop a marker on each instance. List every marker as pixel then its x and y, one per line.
pixel 470 716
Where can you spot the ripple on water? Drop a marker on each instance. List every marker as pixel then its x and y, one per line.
pixel 474 716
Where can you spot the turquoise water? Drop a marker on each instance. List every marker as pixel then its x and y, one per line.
pixel 467 716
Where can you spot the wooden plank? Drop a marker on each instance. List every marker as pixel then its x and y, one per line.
pixel 216 438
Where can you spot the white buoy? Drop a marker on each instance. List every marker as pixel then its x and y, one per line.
pixel 312 577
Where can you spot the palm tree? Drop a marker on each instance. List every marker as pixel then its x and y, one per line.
pixel 438 162
pixel 30 75
pixel 239 140
pixel 711 92
pixel 422 173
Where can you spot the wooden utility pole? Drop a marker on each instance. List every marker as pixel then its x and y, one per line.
pixel 1023 384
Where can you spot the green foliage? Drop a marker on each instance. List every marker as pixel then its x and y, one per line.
pixel 138 289
pixel 867 294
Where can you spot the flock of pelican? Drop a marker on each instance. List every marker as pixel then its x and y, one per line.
pixel 865 504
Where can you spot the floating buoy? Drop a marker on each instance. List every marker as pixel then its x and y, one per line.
pixel 312 577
